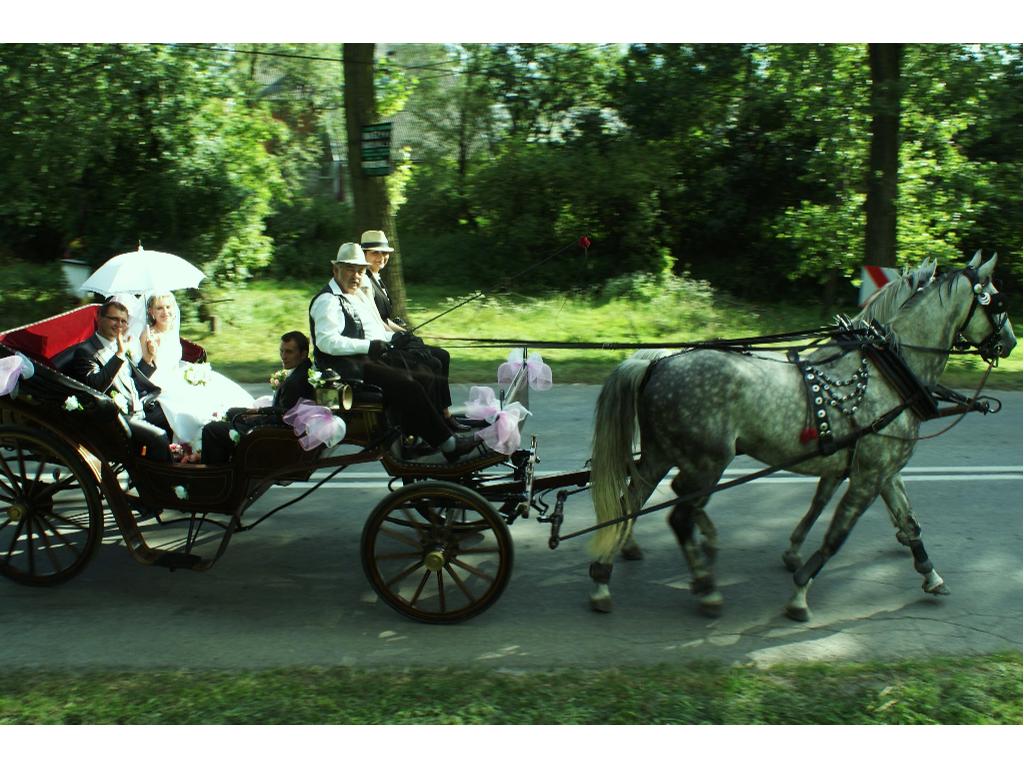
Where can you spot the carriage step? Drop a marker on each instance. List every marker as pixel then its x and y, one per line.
pixel 174 560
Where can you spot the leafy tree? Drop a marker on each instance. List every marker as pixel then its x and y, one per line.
pixel 111 145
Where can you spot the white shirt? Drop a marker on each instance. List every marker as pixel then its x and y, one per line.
pixel 330 320
pixel 108 349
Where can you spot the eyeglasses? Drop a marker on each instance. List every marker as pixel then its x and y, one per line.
pixel 118 320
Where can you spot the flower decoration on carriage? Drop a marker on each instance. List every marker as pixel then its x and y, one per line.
pixel 235 436
pixel 538 373
pixel 314 425
pixel 12 370
pixel 277 378
pixel 181 492
pixel 315 377
pixel 72 404
pixel 502 435
pixel 120 401
pixel 196 374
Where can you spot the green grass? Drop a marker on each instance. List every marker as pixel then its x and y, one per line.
pixel 252 318
pixel 973 690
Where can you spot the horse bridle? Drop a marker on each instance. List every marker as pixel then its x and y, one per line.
pixel 995 307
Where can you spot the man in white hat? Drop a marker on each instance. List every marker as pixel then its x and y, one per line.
pixel 349 336
pixel 378 252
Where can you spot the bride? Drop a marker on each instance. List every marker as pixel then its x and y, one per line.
pixel 192 394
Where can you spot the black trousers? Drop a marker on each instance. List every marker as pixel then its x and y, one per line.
pixel 149 429
pixel 428 366
pixel 405 394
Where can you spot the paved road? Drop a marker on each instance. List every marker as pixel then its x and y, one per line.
pixel 292 592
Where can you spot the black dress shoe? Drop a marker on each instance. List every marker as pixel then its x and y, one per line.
pixel 455 425
pixel 463 444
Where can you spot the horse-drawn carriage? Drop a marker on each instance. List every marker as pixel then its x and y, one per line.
pixel 437 548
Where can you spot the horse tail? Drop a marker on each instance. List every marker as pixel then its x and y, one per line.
pixel 612 467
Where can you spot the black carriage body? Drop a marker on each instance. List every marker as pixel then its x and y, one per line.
pixel 52 423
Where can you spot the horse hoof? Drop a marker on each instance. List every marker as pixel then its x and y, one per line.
pixel 632 552
pixel 798 613
pixel 711 605
pixel 601 604
pixel 792 561
pixel 938 589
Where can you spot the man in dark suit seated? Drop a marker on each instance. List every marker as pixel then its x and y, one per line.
pixel 102 363
pixel 217 444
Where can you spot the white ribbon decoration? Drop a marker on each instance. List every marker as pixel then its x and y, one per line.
pixel 538 373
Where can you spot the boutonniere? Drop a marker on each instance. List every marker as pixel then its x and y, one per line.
pixel 277 378
pixel 120 401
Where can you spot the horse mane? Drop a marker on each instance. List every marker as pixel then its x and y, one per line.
pixel 884 304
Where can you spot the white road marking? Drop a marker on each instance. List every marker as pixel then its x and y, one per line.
pixel 355 480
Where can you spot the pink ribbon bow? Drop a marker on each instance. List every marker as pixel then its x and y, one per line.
pixel 538 373
pixel 314 425
pixel 482 404
pixel 503 434
pixel 13 368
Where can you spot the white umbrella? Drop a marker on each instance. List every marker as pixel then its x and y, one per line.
pixel 143 271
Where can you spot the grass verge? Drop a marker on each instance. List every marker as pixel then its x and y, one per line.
pixel 975 690
pixel 252 318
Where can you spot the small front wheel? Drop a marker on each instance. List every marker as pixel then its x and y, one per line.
pixel 437 552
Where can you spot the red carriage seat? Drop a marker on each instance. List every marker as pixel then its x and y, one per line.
pixel 44 341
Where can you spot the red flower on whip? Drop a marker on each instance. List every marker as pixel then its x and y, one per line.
pixel 584 241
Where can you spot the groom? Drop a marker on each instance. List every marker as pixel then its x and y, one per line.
pixel 102 363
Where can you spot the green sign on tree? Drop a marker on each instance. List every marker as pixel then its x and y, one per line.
pixel 375 149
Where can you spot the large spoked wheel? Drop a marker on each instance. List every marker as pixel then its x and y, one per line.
pixel 437 552
pixel 51 516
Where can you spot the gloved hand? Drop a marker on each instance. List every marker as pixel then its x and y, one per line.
pixel 377 349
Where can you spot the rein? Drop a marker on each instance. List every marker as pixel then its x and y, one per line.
pixel 877 425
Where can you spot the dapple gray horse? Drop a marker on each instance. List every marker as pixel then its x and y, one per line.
pixel 698 409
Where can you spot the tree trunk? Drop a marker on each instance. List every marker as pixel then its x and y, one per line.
pixel 369 193
pixel 880 242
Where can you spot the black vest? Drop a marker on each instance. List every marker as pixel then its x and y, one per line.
pixel 347 366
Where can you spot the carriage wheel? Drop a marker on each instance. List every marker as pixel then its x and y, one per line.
pixel 437 552
pixel 51 516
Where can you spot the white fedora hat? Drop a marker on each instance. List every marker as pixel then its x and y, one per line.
pixel 351 253
pixel 375 240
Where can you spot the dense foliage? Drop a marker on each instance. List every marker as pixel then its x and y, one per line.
pixel 745 165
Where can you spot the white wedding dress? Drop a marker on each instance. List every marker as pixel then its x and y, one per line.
pixel 191 394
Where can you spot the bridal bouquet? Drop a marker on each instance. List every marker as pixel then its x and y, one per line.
pixel 196 374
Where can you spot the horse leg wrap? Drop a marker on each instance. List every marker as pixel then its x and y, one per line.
pixel 600 573
pixel 809 570
pixel 702 585
pixel 921 562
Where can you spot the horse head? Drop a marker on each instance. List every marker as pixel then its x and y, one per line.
pixel 989 330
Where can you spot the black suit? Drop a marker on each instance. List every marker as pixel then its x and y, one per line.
pixel 148 424
pixel 217 444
